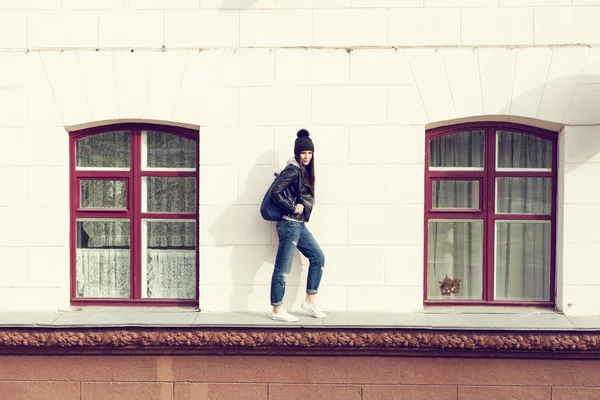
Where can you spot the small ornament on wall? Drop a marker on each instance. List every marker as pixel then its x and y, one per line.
pixel 449 286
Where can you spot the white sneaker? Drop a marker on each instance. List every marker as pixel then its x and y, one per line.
pixel 313 310
pixel 284 316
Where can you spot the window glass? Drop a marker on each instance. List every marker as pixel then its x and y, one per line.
pixel 104 150
pixel 457 150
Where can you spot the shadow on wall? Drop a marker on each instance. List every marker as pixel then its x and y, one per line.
pixel 570 100
pixel 251 264
pixel 237 4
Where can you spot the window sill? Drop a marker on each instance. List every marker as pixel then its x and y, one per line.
pixel 430 318
pixel 437 332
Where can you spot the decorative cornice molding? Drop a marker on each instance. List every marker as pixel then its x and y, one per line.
pixel 361 341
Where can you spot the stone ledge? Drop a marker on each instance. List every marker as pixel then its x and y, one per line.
pixel 302 341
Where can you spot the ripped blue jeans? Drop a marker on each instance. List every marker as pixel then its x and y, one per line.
pixel 292 235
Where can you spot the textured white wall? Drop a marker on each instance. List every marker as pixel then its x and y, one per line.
pixel 365 76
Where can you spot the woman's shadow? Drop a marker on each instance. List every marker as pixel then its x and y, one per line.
pixel 254 246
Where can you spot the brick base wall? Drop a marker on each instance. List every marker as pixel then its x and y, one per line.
pixel 294 377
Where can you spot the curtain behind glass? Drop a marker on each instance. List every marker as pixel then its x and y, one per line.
pixel 455 249
pixel 103 273
pixel 523 261
pixel 171 274
pixel 522 253
pixel 171 259
pixel 519 150
pixel 457 150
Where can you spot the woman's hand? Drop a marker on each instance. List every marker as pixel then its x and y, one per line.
pixel 299 209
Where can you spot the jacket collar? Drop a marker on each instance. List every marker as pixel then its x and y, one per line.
pixel 292 161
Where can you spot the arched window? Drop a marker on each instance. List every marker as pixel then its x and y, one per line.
pixel 134 215
pixel 490 214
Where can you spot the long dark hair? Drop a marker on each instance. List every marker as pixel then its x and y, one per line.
pixel 307 171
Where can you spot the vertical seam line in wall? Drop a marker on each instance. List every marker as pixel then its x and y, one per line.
pixel 347 235
pixel 239 25
pixel 533 27
pixel 448 82
pixel 98 30
pixel 480 83
pixel 312 23
pixel 51 88
pixel 545 83
pixel 460 17
pixel 87 103
pixel 112 58
pixel 387 26
pixel 185 63
pixel 512 91
pixel 163 29
pixel 310 100
pixel 149 55
pixel 417 86
pixel 577 84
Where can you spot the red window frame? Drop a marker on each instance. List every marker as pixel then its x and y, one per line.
pixel 133 211
pixel 487 212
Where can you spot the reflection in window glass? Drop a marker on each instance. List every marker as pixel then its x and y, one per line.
pixel 103 194
pixel 455 259
pixel 170 194
pixel 171 259
pixel 165 150
pixel 105 150
pixel 103 258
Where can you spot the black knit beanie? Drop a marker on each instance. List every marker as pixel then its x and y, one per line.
pixel 303 142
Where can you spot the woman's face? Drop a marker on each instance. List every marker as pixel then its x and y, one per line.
pixel 305 157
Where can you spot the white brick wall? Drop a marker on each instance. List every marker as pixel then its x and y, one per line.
pixel 349 27
pixel 12 30
pixel 500 26
pixel 274 105
pixel 15 178
pixel 318 67
pixel 380 67
pixel 350 105
pixel 566 25
pixel 130 29
pixel 424 27
pixel 497 68
pixel 67 86
pixel 13 266
pixel 364 76
pixel 13 108
pixel 205 28
pixel 280 28
pixel 61 29
pixel 29 4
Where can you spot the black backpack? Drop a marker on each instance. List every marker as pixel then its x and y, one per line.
pixel 269 209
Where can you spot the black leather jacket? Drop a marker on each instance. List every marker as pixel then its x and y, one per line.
pixel 285 193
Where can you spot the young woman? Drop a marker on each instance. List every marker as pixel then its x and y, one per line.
pixel 295 193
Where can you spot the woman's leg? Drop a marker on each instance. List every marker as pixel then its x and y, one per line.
pixel 289 233
pixel 309 247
